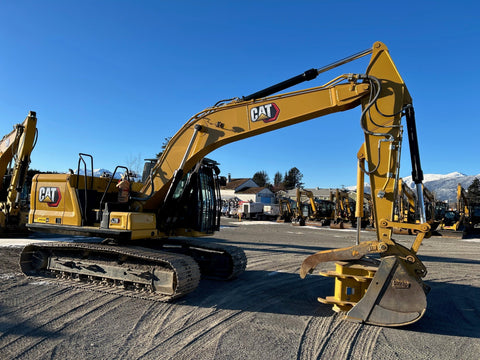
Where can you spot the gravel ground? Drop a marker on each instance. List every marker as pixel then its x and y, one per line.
pixel 267 313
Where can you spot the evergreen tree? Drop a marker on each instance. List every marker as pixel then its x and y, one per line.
pixel 278 179
pixel 474 190
pixel 293 179
pixel 164 146
pixel 261 178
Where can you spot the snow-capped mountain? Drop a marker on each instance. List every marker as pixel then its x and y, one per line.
pixel 443 186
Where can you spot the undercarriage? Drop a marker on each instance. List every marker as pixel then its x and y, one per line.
pixel 162 271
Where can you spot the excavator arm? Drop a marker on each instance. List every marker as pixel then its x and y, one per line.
pixel 15 150
pixel 391 292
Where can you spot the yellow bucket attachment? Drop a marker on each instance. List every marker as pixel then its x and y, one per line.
pixel 351 282
pixel 387 294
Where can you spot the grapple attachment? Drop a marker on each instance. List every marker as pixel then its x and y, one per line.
pixel 387 292
pixel 385 295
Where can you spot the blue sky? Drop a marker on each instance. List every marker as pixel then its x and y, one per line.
pixel 113 78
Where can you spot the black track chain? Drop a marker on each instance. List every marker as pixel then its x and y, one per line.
pixel 235 253
pixel 187 272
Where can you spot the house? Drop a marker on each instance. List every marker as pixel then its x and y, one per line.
pixel 246 190
pixel 257 194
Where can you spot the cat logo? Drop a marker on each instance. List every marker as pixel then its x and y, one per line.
pixel 49 195
pixel 266 113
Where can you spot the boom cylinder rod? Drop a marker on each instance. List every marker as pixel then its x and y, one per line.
pixel 178 174
pixel 306 76
pixel 344 61
pixel 421 203
pixel 196 129
pixel 417 173
pixel 359 202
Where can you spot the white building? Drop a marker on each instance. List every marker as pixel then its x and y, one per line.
pixel 246 190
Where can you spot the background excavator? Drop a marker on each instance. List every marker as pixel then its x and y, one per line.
pixel 311 208
pixel 430 208
pixel 461 222
pixel 148 227
pixel 287 212
pixel 15 150
pixel 323 212
pixel 405 207
pixel 344 216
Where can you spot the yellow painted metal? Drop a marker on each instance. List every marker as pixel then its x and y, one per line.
pixel 349 253
pixel 15 150
pixel 59 206
pixel 232 122
pixel 142 225
pixel 351 283
pixel 54 197
pixel 383 135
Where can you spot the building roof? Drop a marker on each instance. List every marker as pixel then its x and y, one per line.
pixel 252 190
pixel 316 192
pixel 234 183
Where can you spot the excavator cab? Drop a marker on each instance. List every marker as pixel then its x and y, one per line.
pixel 195 204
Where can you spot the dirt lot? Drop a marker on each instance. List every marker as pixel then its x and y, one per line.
pixel 267 313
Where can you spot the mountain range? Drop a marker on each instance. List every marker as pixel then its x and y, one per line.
pixel 443 186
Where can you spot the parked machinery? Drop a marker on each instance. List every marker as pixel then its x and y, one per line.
pixel 344 210
pixel 324 212
pixel 15 150
pixel 457 222
pixel 430 208
pixel 405 208
pixel 286 210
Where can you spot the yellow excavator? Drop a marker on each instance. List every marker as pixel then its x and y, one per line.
pixel 454 221
pixel 344 217
pixel 312 210
pixel 286 210
pixel 405 207
pixel 148 227
pixel 300 212
pixel 323 212
pixel 430 204
pixel 15 150
pixel 408 203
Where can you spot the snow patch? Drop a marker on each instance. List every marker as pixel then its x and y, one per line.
pixel 8 276
pixel 248 222
pixel 19 242
pixel 40 283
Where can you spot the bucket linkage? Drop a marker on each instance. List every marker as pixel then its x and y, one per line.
pixel 385 291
